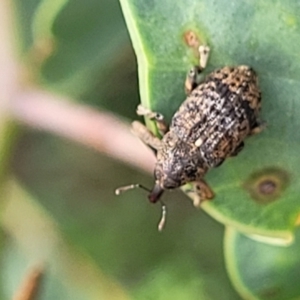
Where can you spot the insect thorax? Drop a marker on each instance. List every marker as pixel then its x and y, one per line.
pixel 178 162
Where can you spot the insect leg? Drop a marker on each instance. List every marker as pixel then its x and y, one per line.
pixel 193 77
pixel 203 192
pixel 238 149
pixel 259 127
pixel 157 117
pixel 204 55
pixel 146 136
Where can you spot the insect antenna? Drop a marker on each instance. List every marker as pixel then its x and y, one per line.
pixel 122 189
pixel 163 219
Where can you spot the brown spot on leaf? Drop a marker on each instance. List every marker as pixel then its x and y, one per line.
pixel 191 39
pixel 267 185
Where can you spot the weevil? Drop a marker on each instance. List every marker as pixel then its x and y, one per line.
pixel 209 126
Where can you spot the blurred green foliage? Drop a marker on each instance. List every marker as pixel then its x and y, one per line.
pixel 63 211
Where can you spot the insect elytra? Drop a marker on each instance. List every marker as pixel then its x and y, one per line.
pixel 208 127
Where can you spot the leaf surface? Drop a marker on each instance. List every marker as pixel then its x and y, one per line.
pixel 263 35
pixel 260 271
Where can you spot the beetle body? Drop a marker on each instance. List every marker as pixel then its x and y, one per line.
pixel 209 126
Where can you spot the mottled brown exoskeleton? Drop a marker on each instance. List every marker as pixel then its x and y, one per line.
pixel 209 126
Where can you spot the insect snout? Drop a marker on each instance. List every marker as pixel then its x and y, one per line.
pixel 156 193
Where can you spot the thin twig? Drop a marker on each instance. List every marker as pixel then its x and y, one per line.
pixel 46 111
pixel 31 285
pixel 99 130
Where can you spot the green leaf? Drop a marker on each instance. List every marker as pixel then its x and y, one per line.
pixel 44 17
pixel 25 12
pixel 89 36
pixel 34 240
pixel 257 192
pixel 260 271
pixel 72 44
